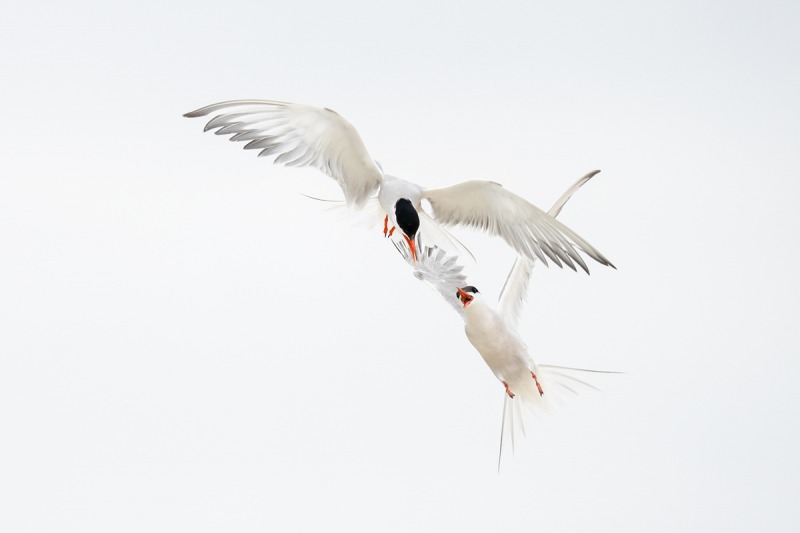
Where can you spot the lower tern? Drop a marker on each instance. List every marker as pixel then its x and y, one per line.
pixel 493 332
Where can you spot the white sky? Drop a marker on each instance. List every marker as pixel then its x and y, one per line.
pixel 188 344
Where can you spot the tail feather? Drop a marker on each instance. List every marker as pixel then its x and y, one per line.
pixel 502 430
pixel 561 375
pixel 558 383
pixel 520 421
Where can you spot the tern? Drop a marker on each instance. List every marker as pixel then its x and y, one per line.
pixel 304 135
pixel 493 332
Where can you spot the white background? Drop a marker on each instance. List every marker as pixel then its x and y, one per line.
pixel 188 344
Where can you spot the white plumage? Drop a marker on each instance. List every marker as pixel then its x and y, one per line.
pixel 303 135
pixel 493 332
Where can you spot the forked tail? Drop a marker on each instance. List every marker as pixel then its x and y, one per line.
pixel 558 383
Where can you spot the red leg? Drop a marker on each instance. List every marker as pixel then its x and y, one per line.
pixel 391 231
pixel 385 225
pixel 541 392
pixel 510 394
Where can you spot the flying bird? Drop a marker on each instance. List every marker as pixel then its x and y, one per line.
pixel 493 332
pixel 304 135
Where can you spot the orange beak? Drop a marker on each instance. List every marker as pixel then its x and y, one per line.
pixel 464 297
pixel 412 245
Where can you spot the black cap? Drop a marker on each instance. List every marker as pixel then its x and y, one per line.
pixel 407 217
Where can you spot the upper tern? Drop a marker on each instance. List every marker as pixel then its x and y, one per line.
pixel 304 135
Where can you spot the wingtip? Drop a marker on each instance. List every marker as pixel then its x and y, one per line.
pixel 606 262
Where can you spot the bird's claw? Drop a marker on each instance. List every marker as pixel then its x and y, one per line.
pixel 508 391
pixel 538 386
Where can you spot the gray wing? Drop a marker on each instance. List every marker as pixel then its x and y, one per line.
pixel 530 231
pixel 300 135
pixel 437 269
pixel 512 296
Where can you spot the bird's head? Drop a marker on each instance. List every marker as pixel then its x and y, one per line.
pixel 467 294
pixel 408 220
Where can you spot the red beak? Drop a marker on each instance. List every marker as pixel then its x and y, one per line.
pixel 412 245
pixel 464 297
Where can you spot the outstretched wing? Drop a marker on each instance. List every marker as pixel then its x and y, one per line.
pixel 530 231
pixel 440 271
pixel 300 135
pixel 512 297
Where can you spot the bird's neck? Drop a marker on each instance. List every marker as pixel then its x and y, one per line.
pixel 478 315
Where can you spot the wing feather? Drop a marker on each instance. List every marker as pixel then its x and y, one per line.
pixel 440 271
pixel 299 135
pixel 512 296
pixel 486 205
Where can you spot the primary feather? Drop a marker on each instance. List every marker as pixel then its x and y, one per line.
pixel 488 206
pixel 439 271
pixel 512 295
pixel 300 135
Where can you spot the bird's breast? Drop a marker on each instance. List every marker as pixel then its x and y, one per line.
pixel 500 347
